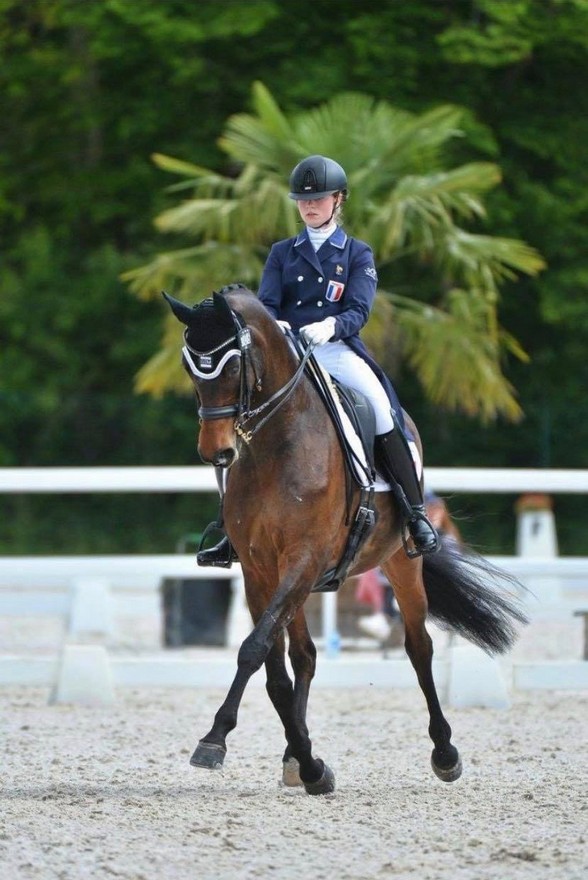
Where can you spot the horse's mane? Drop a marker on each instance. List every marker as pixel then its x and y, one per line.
pixel 245 302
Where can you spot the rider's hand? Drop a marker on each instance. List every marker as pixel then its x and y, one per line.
pixel 283 325
pixel 319 333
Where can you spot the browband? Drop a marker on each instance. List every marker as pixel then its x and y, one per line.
pixel 205 361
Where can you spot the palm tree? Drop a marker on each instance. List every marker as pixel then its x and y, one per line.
pixel 408 206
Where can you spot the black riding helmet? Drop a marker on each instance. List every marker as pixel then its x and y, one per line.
pixel 316 177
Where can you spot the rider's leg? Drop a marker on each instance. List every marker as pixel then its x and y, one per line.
pixel 395 458
pixel 222 554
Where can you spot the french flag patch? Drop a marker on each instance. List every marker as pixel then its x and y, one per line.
pixel 335 291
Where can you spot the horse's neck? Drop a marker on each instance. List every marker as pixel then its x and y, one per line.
pixel 294 410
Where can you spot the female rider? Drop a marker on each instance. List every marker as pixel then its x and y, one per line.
pixel 322 284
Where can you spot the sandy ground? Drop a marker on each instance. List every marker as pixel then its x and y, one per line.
pixel 108 792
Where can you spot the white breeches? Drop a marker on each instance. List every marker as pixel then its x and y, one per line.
pixel 348 368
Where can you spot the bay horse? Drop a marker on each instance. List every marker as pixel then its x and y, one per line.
pixel 286 514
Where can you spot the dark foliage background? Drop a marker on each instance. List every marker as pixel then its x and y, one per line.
pixel 89 90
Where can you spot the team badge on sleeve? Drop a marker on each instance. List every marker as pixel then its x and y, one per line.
pixel 371 272
pixel 335 291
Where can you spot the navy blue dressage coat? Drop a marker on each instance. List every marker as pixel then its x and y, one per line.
pixel 302 286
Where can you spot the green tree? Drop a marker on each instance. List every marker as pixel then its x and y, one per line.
pixel 407 204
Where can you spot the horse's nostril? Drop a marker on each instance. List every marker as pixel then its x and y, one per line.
pixel 224 457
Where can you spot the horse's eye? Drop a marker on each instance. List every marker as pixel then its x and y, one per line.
pixel 233 367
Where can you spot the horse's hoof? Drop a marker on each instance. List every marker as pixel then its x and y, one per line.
pixel 291 773
pixel 447 774
pixel 208 755
pixel 324 785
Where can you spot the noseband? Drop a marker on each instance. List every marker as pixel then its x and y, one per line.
pixel 209 365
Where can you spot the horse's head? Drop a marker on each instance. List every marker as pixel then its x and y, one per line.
pixel 224 366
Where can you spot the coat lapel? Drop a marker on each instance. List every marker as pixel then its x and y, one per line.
pixel 334 244
pixel 306 250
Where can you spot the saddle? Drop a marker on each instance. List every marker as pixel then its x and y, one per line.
pixel 361 414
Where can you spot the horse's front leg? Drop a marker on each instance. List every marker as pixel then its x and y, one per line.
pixel 211 749
pixel 299 767
pixel 260 647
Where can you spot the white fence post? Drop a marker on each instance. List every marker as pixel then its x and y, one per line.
pixel 239 623
pixel 475 679
pixel 91 607
pixel 536 534
pixel 84 676
pixel 537 538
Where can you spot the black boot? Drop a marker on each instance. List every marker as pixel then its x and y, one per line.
pixel 397 465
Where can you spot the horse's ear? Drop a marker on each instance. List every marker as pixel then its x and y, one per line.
pixel 222 306
pixel 182 312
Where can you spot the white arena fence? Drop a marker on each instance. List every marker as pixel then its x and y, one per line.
pixel 91 591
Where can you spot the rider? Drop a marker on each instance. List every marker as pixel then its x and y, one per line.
pixel 322 284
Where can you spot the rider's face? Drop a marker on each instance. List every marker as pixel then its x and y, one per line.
pixel 315 212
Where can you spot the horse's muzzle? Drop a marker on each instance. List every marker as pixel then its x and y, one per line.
pixel 217 443
pixel 222 458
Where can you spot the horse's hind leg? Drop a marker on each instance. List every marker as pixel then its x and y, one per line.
pixel 406 576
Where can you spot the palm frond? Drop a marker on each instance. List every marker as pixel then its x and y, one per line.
pixel 163 372
pixel 491 259
pixel 421 208
pixel 404 201
pixel 455 359
pixel 203 268
pixel 265 140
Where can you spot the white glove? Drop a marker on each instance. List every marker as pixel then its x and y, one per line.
pixel 283 325
pixel 319 333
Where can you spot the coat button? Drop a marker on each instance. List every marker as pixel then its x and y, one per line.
pixel 299 303
pixel 301 277
pixel 320 302
pixel 320 278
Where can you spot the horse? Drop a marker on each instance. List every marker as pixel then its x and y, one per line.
pixel 286 513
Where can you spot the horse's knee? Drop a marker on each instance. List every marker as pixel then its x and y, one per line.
pixel 252 653
pixel 254 650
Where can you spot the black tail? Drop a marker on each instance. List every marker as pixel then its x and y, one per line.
pixel 471 596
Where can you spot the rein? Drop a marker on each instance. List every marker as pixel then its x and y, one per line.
pixel 284 393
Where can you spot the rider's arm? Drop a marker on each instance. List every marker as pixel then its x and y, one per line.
pixel 270 287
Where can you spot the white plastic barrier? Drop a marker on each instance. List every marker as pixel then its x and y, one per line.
pixel 188 670
pixel 90 590
pixel 81 587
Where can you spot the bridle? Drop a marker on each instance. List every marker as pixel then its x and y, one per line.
pixel 209 365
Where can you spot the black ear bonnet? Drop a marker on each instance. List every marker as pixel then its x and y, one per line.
pixel 214 333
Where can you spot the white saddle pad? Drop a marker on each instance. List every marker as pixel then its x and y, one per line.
pixel 380 485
